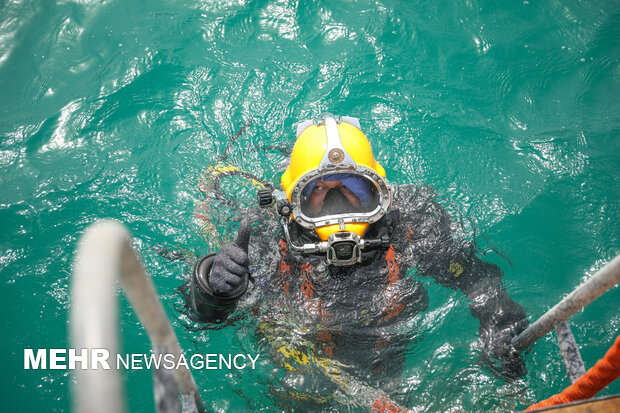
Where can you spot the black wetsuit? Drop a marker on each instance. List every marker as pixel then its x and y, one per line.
pixel 362 315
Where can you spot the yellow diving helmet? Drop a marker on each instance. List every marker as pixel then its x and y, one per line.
pixel 334 184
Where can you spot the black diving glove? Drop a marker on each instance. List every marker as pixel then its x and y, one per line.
pixel 500 355
pixel 220 280
pixel 230 266
pixel 501 319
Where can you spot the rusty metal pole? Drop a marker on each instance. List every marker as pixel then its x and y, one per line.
pixel 594 287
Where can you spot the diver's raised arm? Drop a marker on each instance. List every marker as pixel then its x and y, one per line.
pixel 454 263
pixel 501 318
pixel 220 279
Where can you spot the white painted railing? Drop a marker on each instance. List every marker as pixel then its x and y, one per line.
pixel 106 257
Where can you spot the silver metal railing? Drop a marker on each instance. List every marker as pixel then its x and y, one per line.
pixel 105 256
pixel 556 317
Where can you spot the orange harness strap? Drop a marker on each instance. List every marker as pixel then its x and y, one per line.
pixel 596 379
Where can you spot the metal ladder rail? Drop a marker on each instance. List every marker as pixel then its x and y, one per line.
pixel 556 317
pixel 105 255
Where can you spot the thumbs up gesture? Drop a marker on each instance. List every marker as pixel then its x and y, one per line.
pixel 230 266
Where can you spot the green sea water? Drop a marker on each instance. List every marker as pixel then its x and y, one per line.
pixel 113 109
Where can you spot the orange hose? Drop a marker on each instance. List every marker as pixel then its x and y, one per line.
pixel 596 379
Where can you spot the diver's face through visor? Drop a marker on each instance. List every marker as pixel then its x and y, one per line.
pixel 349 196
pixel 331 197
pixel 337 194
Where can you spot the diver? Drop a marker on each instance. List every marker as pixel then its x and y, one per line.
pixel 339 265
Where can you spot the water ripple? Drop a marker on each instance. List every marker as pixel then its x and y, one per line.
pixel 116 109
